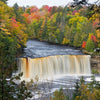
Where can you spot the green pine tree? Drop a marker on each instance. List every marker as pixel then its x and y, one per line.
pixel 76 91
pixel 5 1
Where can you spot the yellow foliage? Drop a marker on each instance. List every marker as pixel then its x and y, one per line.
pixel 90 34
pixel 5 11
pixel 98 33
pixel 77 14
pixel 94 17
pixel 87 94
pixel 77 19
pixel 2 27
pixel 65 41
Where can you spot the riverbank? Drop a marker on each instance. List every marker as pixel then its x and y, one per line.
pixel 95 62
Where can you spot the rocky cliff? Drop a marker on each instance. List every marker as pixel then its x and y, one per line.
pixel 95 62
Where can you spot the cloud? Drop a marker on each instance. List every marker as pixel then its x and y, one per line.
pixel 39 3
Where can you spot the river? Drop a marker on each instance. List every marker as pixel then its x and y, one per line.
pixel 37 49
pixel 63 64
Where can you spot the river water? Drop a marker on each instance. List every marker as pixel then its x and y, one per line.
pixel 36 56
pixel 37 49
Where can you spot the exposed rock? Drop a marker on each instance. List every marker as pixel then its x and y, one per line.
pixel 95 62
pixel 86 52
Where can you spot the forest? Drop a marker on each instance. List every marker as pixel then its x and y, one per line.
pixel 77 26
pixel 74 26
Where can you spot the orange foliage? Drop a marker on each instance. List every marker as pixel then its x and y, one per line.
pixel 14 22
pixel 35 16
pixel 26 15
pixel 98 33
pixel 83 44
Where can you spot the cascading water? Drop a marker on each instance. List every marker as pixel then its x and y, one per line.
pixel 55 65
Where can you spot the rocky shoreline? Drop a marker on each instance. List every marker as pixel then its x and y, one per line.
pixel 95 62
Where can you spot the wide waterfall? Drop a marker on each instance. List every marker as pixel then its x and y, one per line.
pixel 55 65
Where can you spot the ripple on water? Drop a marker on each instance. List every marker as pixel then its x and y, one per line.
pixel 37 49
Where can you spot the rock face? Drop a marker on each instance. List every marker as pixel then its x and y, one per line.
pixel 95 62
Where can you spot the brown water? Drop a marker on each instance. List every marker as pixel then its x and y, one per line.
pixel 48 67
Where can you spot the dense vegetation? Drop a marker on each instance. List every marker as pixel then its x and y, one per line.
pixel 63 25
pixel 75 26
pixel 83 91
pixel 12 40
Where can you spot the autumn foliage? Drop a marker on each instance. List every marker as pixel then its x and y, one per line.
pixel 14 23
pixel 83 44
pixel 93 38
pixel 61 25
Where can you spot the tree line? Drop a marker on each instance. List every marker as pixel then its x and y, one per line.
pixel 75 26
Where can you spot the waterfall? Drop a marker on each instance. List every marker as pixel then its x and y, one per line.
pixel 55 65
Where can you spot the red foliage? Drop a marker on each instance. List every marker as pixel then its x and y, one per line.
pixel 14 22
pixel 33 9
pixel 83 44
pixel 50 8
pixel 46 7
pixel 75 11
pixel 93 38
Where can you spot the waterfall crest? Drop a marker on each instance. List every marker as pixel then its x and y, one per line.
pixel 55 65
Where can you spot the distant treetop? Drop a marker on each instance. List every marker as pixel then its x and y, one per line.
pixel 5 1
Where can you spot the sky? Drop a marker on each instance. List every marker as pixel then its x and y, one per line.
pixel 40 3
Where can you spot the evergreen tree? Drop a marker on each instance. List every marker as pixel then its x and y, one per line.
pixel 53 10
pixel 44 33
pixel 5 1
pixel 18 13
pixel 82 81
pixel 39 27
pixel 76 91
pixel 8 88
